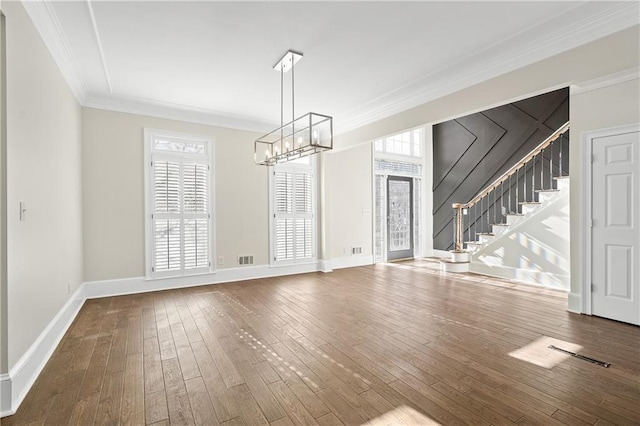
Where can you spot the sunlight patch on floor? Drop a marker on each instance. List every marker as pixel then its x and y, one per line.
pixel 402 415
pixel 539 353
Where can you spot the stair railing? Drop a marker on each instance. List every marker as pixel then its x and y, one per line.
pixel 536 172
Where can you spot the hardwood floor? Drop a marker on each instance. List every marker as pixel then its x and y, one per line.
pixel 385 344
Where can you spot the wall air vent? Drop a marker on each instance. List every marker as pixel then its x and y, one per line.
pixel 245 260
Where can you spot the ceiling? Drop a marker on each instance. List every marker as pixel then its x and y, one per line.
pixel 211 62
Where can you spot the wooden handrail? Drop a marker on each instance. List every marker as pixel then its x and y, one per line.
pixel 537 150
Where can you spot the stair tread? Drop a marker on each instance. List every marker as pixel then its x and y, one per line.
pixel 514 214
pixel 560 177
pixel 454 262
pixel 500 224
pixel 473 242
pixel 487 233
pixel 547 190
pixel 530 202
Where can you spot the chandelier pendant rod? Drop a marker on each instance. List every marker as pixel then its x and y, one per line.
pixel 293 108
pixel 281 102
pixel 293 102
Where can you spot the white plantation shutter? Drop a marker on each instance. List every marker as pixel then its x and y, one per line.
pixel 196 246
pixel 304 216
pixel 293 214
pixel 284 239
pixel 167 244
pixel 283 192
pixel 167 187
pixel 196 187
pixel 180 203
pixel 196 212
pixel 166 215
pixel 304 239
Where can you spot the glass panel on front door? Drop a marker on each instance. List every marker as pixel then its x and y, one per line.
pixel 399 217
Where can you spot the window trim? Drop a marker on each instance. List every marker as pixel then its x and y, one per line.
pixel 149 135
pixel 273 263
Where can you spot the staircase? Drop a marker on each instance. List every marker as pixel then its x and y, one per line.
pixel 528 210
pixel 533 183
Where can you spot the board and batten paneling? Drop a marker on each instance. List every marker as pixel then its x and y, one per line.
pixel 472 151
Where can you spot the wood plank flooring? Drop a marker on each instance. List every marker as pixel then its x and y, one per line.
pixel 385 344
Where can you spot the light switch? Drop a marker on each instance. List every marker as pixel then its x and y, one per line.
pixel 23 211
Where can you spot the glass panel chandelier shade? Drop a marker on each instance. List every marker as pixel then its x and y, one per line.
pixel 308 134
pixel 303 136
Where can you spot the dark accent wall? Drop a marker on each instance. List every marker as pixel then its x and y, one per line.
pixel 470 152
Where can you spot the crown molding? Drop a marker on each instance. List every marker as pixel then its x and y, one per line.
pixel 171 111
pixel 96 34
pixel 514 53
pixel 550 38
pixel 46 22
pixel 607 80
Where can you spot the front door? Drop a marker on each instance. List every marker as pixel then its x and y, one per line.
pixel 399 217
pixel 615 265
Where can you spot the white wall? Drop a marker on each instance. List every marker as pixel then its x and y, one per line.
pixel 348 185
pixel 113 193
pixel 609 106
pixel 44 171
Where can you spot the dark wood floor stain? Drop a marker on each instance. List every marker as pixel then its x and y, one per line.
pixel 385 344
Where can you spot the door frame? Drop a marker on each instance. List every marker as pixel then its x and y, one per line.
pixel 587 166
pixel 411 211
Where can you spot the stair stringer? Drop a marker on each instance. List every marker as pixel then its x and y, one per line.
pixel 534 250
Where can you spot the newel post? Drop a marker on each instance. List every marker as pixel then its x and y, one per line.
pixel 458 244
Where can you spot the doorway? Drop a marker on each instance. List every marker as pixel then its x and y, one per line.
pixel 612 287
pixel 399 217
pixel 399 202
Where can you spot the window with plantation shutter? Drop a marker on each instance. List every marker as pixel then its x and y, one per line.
pixel 293 236
pixel 179 200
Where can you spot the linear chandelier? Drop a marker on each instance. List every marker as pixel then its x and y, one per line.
pixel 308 134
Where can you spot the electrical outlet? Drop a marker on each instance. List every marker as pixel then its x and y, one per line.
pixel 220 260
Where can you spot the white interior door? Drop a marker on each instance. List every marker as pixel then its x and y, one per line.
pixel 615 243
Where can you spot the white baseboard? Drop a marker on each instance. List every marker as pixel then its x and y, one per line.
pixel 5 396
pixel 324 265
pixel 575 303
pixel 119 287
pixel 441 253
pixel 352 261
pixel 15 385
pixel 527 276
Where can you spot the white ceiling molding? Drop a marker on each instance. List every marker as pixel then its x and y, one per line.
pixel 99 42
pixel 607 80
pixel 513 54
pixel 171 111
pixel 561 33
pixel 46 22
